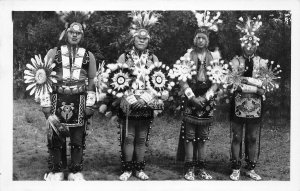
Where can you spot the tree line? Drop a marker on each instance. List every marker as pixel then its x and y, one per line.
pixel 107 36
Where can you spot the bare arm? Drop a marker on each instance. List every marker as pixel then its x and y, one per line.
pixel 121 59
pixel 92 72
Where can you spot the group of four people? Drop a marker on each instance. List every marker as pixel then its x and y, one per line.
pixel 74 95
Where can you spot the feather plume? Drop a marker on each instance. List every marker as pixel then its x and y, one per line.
pixel 74 16
pixel 146 18
pixel 205 19
pixel 142 20
pixel 249 29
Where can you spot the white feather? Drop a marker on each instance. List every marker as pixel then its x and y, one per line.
pixel 27 81
pixel 139 18
pixel 38 60
pixel 45 58
pixel 33 62
pixel 49 88
pixel 32 91
pixel 29 73
pixel 28 77
pixel 30 86
pixel 146 18
pixel 153 20
pixel 52 65
pixel 53 80
pixel 29 66
pixel 36 96
pixel 214 28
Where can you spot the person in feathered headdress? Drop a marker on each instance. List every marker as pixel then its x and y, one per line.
pixel 199 91
pixel 140 101
pixel 70 103
pixel 247 99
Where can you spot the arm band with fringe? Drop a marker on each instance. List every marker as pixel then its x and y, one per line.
pixel 90 98
pixel 45 100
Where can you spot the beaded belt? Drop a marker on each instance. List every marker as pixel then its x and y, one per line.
pixel 138 92
pixel 70 90
pixel 248 95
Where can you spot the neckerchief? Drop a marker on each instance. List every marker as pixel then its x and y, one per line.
pixel 249 66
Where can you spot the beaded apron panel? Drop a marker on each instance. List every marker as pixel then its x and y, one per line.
pixel 69 109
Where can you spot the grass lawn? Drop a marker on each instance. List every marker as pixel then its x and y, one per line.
pixel 102 156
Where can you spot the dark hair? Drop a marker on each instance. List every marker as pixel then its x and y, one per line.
pixel 213 41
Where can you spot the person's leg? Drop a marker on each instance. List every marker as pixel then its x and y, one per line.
pixel 250 135
pixel 202 137
pixel 189 150
pixel 237 136
pixel 128 149
pixel 140 140
pixel 76 142
pixel 128 145
pixel 140 146
pixel 55 159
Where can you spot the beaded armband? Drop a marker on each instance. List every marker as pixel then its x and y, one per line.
pixel 189 93
pixel 131 99
pixel 91 98
pixel 45 100
pixel 253 81
pixel 248 88
pixel 146 97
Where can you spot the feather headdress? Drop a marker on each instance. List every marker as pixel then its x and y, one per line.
pixel 74 20
pixel 248 29
pixel 206 22
pixel 142 21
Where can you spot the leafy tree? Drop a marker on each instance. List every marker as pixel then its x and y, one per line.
pixel 107 36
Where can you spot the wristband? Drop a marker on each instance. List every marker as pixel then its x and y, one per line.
pixel 89 107
pixel 165 95
pixel 248 88
pixel 45 100
pixel 90 98
pixel 189 93
pixel 209 94
pixel 146 97
pixel 131 99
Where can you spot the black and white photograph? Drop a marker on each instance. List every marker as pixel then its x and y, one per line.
pixel 132 95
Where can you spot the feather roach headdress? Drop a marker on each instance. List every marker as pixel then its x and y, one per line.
pixel 248 28
pixel 74 20
pixel 142 21
pixel 206 22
